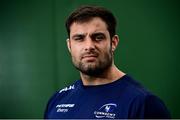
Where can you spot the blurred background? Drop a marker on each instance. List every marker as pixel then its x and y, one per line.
pixel 34 60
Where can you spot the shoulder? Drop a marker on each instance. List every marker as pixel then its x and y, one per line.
pixel 155 108
pixel 145 102
pixel 60 94
pixel 66 90
pixel 134 88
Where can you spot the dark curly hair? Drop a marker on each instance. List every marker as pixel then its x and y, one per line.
pixel 86 13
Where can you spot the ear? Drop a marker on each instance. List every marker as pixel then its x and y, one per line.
pixel 114 42
pixel 68 42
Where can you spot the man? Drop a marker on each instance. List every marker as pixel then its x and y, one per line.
pixel 103 90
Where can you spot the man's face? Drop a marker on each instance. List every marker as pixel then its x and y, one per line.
pixel 90 46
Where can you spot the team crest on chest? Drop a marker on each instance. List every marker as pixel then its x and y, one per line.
pixel 106 111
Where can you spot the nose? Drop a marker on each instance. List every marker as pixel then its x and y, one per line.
pixel 89 44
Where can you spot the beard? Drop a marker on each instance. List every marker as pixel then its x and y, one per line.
pixel 98 67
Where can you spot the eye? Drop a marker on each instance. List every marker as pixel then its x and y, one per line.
pixel 99 37
pixel 78 38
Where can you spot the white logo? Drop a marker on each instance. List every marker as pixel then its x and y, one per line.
pixel 107 108
pixel 64 107
pixel 67 88
pixel 106 111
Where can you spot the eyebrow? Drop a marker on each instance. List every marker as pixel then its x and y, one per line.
pixel 78 35
pixel 97 33
pixel 83 34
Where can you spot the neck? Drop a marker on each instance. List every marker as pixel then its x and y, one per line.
pixel 110 75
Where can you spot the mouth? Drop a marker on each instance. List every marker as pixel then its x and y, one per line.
pixel 89 58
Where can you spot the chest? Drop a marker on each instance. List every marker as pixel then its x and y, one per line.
pixel 90 106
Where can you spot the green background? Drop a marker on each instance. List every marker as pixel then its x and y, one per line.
pixel 34 60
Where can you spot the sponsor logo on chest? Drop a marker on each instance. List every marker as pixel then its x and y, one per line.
pixel 105 111
pixel 64 107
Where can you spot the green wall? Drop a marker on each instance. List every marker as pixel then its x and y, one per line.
pixel 34 60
